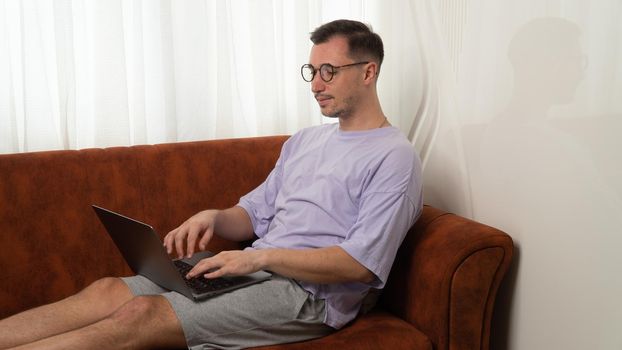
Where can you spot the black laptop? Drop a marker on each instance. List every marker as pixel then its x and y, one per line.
pixel 143 251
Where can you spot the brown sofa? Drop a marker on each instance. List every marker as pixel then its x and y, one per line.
pixel 441 290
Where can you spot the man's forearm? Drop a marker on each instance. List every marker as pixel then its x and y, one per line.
pixel 318 265
pixel 321 265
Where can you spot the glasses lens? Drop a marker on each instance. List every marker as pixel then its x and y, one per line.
pixel 307 72
pixel 326 72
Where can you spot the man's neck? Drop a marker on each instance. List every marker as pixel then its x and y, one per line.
pixel 372 119
pixel 367 115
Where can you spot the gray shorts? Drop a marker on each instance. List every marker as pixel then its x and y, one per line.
pixel 271 312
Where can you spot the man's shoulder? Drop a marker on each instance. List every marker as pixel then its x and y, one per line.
pixel 392 140
pixel 399 152
pixel 402 144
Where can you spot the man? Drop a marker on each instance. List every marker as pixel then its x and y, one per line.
pixel 329 219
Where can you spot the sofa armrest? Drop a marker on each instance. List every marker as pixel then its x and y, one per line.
pixel 445 279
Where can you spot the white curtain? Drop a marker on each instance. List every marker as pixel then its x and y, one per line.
pixel 95 73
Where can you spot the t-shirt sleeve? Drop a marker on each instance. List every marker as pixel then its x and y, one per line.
pixel 260 202
pixel 373 241
pixel 389 206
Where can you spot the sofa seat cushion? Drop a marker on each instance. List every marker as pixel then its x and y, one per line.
pixel 376 330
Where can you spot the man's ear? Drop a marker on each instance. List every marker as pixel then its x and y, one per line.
pixel 371 72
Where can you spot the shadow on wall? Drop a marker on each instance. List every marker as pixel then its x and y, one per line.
pixel 538 182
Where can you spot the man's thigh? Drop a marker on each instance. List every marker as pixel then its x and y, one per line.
pixel 271 312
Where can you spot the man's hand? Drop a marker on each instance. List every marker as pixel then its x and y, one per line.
pixel 232 262
pixel 198 227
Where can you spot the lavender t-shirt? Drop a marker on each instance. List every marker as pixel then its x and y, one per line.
pixel 359 190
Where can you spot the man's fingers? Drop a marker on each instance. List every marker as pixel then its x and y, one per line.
pixel 193 234
pixel 216 273
pixel 207 236
pixel 179 242
pixel 233 262
pixel 197 229
pixel 168 240
pixel 202 266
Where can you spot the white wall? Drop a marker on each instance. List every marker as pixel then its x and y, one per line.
pixel 534 147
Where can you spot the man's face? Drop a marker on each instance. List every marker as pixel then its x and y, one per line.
pixel 337 98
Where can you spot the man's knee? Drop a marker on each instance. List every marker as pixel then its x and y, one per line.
pixel 109 292
pixel 151 320
pixel 106 286
pixel 138 310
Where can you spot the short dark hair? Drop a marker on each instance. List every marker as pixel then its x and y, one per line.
pixel 362 41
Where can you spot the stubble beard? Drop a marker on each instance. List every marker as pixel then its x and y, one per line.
pixel 344 112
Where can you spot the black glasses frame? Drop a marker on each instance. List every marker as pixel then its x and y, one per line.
pixel 325 69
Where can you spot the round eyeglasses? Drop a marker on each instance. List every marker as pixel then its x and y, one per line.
pixel 327 71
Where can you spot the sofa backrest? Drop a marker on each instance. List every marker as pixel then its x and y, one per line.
pixel 47 225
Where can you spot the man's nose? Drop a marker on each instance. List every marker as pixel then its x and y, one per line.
pixel 317 84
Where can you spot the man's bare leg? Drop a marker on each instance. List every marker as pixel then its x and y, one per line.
pixel 93 304
pixel 142 323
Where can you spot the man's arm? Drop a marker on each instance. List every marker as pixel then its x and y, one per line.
pixel 320 265
pixel 233 224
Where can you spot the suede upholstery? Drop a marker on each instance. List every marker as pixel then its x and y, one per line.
pixel 440 293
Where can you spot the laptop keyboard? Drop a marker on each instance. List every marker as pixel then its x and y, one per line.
pixel 201 284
